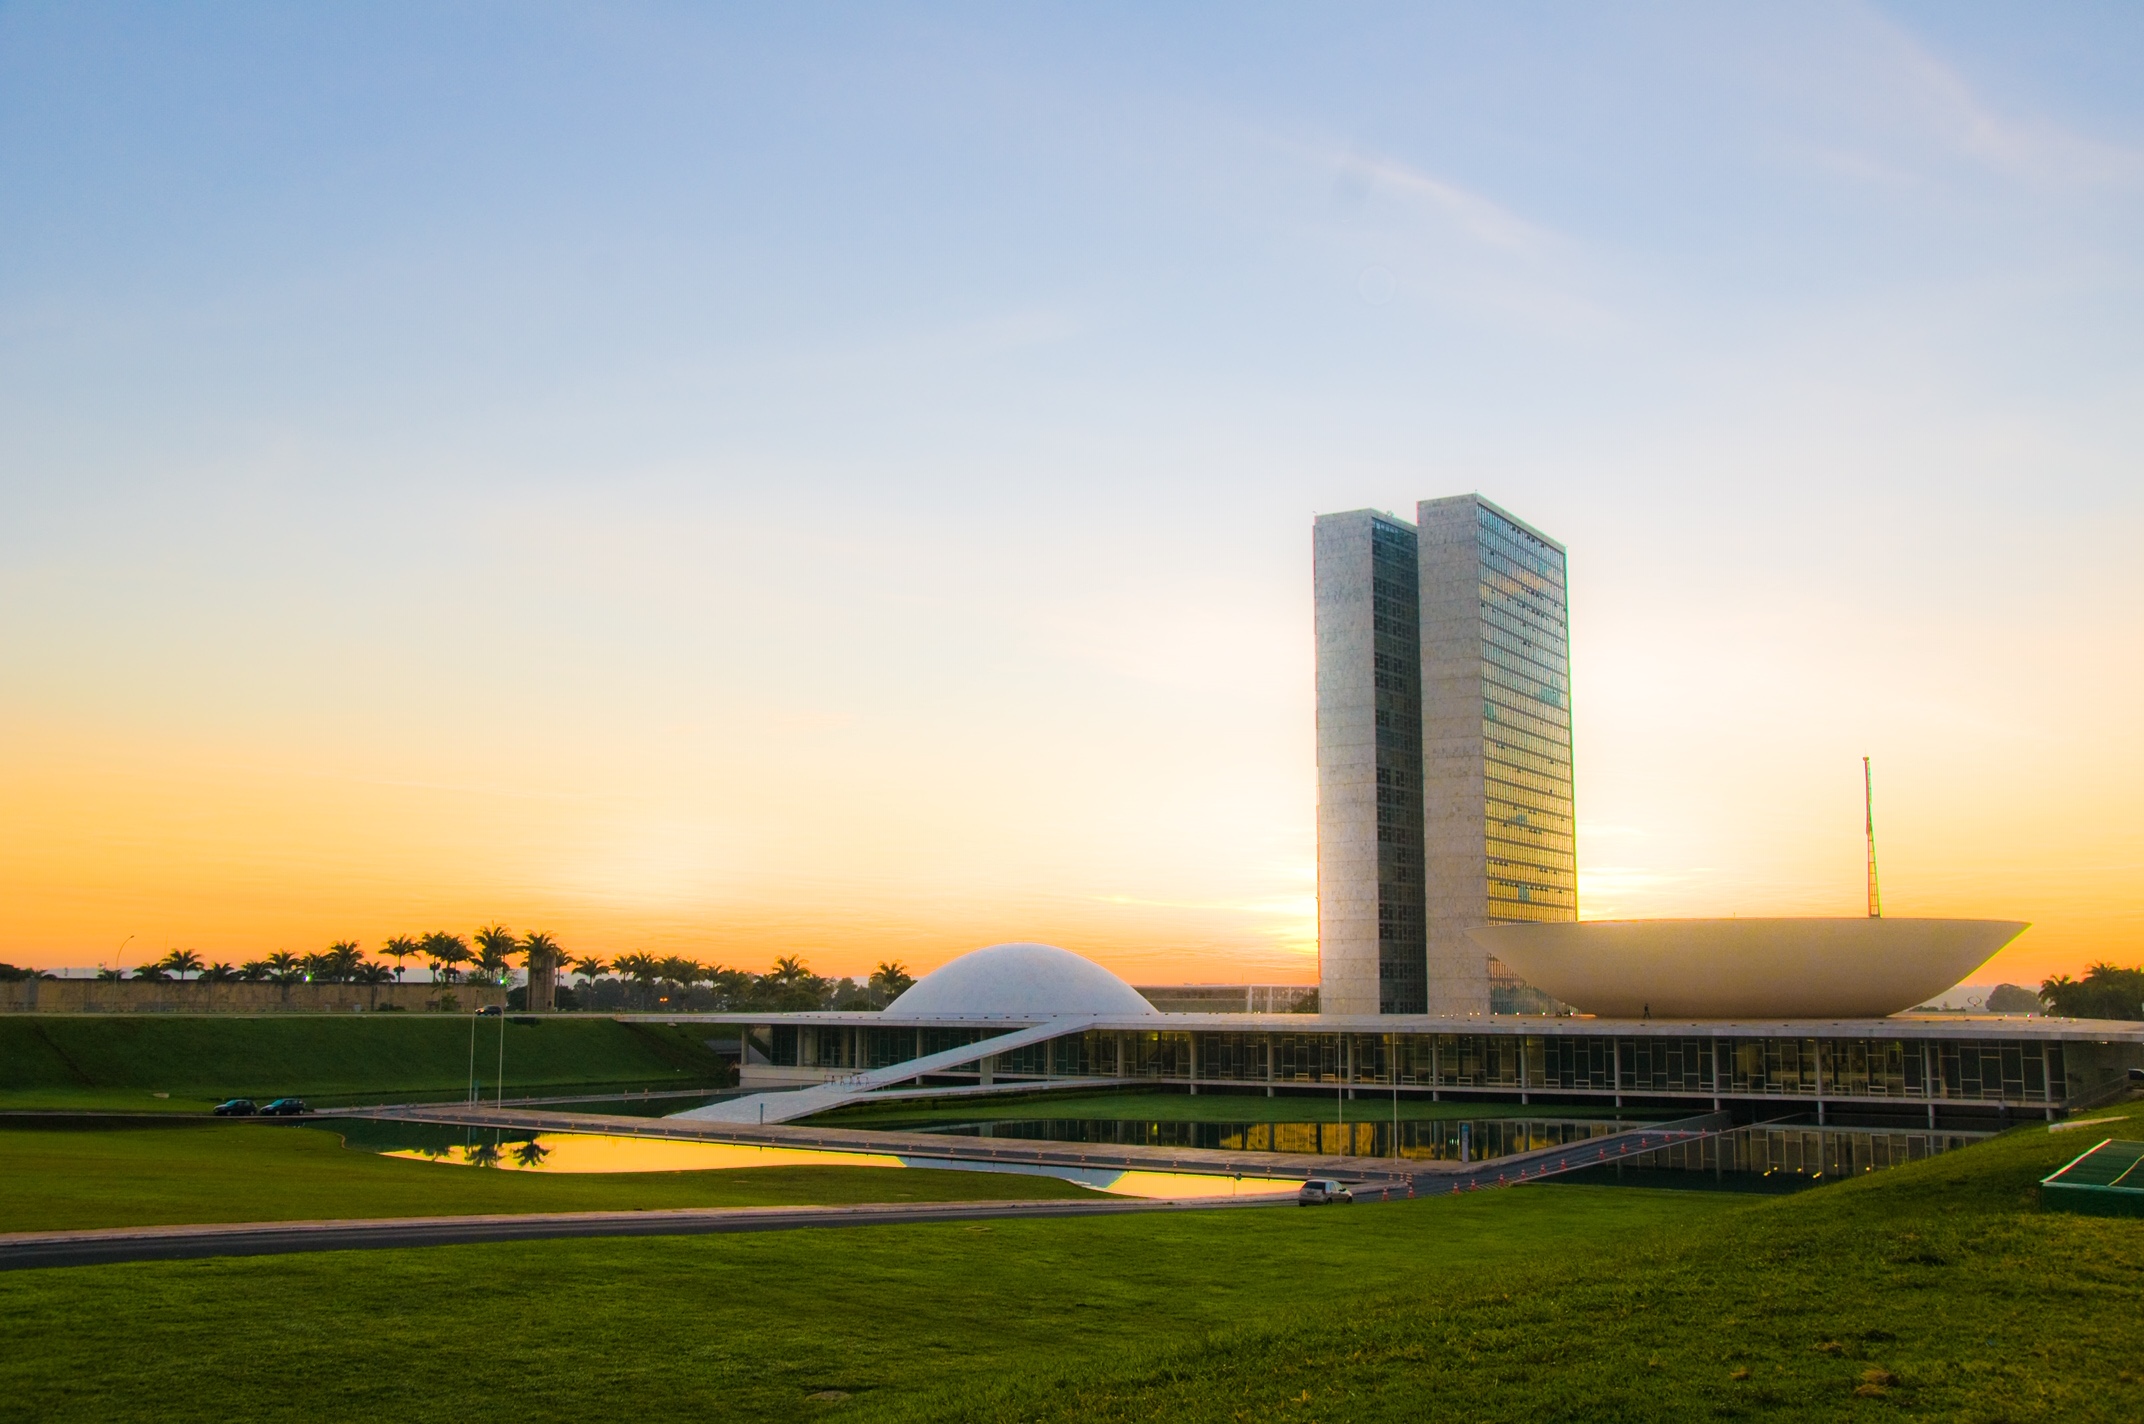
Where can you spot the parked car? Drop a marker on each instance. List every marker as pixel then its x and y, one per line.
pixel 489 1011
pixel 285 1107
pixel 235 1107
pixel 1323 1191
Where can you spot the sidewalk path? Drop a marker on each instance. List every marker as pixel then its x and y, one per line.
pixel 27 1249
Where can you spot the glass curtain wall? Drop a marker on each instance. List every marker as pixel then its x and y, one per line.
pixel 1526 724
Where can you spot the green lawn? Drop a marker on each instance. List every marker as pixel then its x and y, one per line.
pixel 56 1179
pixel 120 1061
pixel 1937 1290
pixel 1184 1107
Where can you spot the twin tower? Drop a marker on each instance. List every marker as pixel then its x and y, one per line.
pixel 1444 750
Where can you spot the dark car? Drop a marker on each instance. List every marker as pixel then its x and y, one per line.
pixel 489 1011
pixel 285 1107
pixel 235 1107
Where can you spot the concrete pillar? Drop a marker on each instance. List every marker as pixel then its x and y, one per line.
pixel 1818 1044
pixel 1269 1065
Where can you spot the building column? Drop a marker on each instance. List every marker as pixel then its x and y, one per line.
pixel 1819 1044
pixel 1269 1064
pixel 1192 1054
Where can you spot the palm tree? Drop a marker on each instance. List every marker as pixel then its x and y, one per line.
pixel 590 969
pixel 372 972
pixel 493 944
pixel 541 954
pixel 285 967
pixel 642 969
pixel 183 962
pixel 339 964
pixel 255 971
pixel 789 986
pixel 443 952
pixel 400 948
pixel 890 980
pixel 220 973
pixel 153 973
pixel 733 987
pixel 683 972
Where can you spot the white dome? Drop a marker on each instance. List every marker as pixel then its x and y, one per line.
pixel 1018 981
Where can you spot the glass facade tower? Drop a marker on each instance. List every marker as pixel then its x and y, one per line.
pixel 1444 750
pixel 1526 724
pixel 1496 736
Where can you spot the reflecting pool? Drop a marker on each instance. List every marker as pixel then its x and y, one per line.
pixel 571 1152
pixel 1439 1140
pixel 1784 1155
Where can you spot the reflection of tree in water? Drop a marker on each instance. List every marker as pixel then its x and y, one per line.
pixel 482 1154
pixel 530 1153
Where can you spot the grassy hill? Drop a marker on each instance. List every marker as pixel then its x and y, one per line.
pixel 63 1179
pixel 119 1061
pixel 1938 1290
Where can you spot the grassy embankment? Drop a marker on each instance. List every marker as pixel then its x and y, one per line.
pixel 64 1179
pixel 1937 1290
pixel 1150 1106
pixel 122 1062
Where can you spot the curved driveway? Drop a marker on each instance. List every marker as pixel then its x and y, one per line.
pixel 21 1250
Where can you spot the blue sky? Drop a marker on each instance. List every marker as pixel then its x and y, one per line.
pixel 840 478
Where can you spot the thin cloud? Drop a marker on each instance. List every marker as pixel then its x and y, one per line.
pixel 2032 148
pixel 1483 219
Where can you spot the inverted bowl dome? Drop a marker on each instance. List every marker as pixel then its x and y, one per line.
pixel 1747 969
pixel 1018 981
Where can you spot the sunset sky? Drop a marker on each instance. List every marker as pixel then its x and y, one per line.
pixel 831 480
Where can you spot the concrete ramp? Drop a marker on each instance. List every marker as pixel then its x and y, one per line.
pixel 789 1104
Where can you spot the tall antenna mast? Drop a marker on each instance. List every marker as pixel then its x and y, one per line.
pixel 1868 805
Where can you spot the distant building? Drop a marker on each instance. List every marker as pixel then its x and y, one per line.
pixel 1444 750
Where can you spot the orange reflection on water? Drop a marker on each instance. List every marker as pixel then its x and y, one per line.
pixel 1192 1184
pixel 575 1152
pixel 578 1152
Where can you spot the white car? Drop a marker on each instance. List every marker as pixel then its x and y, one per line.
pixel 1323 1191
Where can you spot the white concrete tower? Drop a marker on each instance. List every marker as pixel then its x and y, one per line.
pixel 1370 926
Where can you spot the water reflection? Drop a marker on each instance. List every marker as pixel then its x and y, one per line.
pixel 590 1153
pixel 1442 1140
pixel 1790 1154
pixel 565 1152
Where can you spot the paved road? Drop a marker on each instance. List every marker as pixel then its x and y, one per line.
pixel 24 1250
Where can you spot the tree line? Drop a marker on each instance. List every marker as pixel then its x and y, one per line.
pixel 636 980
pixel 2105 992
